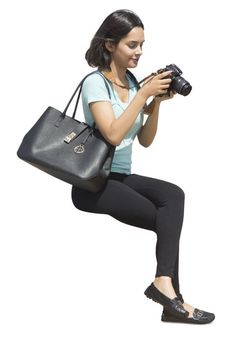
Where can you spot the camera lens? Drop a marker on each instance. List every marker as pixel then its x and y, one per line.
pixel 181 86
pixel 186 89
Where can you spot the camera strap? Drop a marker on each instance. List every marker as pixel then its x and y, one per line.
pixel 149 76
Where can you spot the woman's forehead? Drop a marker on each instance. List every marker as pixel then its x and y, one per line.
pixel 136 34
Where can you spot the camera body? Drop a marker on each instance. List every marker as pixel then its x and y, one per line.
pixel 178 83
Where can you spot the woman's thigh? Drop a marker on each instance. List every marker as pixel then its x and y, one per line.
pixel 120 201
pixel 158 191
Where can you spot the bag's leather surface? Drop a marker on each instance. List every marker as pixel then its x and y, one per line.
pixel 68 149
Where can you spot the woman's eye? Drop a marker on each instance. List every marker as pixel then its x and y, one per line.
pixel 132 46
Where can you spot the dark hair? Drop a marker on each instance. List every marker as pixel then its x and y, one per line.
pixel 115 27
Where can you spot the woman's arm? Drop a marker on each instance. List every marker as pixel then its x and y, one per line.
pixel 114 129
pixel 148 132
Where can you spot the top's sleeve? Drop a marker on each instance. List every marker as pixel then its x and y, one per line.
pixel 94 89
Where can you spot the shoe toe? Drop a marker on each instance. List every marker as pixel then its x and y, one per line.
pixel 203 316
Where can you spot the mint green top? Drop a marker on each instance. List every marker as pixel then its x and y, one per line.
pixel 94 89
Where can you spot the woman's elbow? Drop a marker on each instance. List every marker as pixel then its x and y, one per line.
pixel 113 140
pixel 144 143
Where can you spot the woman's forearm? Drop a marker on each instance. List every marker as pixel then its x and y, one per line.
pixel 149 129
pixel 121 126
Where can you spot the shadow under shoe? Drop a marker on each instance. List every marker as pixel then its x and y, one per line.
pixel 173 305
pixel 199 317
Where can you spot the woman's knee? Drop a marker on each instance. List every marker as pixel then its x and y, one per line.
pixel 177 192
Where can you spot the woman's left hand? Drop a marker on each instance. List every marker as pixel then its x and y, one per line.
pixel 165 96
pixel 149 109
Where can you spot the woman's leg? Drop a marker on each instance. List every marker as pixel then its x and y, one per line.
pixel 175 280
pixel 169 201
pixel 119 201
pixel 143 202
pixel 150 204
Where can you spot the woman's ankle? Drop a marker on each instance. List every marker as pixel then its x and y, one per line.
pixel 164 285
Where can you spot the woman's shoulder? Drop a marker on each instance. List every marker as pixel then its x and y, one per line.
pixel 94 79
pixel 95 87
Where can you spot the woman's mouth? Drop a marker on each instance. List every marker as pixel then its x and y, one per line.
pixel 135 60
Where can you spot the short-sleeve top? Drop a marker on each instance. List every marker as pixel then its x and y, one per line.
pixel 94 89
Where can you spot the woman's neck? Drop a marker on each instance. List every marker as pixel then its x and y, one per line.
pixel 117 76
pixel 118 73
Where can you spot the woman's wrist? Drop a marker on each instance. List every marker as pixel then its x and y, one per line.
pixel 142 94
pixel 157 99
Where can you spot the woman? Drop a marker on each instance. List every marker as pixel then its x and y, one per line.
pixel 133 199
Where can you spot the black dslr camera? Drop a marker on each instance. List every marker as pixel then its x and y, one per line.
pixel 178 84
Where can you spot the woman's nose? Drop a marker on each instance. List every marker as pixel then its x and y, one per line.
pixel 139 50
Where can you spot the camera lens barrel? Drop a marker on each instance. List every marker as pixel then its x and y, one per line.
pixel 181 86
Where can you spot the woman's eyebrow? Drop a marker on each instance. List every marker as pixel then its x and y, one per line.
pixel 135 41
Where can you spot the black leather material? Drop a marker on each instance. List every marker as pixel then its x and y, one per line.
pixel 199 317
pixel 83 160
pixel 174 305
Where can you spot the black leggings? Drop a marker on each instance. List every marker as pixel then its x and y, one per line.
pixel 148 203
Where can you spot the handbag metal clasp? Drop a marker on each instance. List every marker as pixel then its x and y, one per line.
pixel 70 137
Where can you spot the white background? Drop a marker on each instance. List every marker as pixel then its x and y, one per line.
pixel 70 274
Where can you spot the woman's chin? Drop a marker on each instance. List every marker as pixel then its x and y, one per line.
pixel 132 64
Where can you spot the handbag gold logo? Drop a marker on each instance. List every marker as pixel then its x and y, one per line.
pixel 79 148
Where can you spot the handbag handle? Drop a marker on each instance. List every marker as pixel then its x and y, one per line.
pixel 105 81
pixel 80 87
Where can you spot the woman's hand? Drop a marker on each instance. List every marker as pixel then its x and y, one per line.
pixel 156 85
pixel 157 100
pixel 165 97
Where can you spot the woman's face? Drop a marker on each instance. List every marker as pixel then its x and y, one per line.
pixel 127 52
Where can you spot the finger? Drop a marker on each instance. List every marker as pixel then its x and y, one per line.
pixel 165 81
pixel 164 86
pixel 166 97
pixel 164 74
pixel 170 96
pixel 162 91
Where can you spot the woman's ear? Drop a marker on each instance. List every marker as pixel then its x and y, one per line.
pixel 110 46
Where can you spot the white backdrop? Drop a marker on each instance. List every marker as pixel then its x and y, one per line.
pixel 71 274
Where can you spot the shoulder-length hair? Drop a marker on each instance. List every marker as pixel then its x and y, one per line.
pixel 115 27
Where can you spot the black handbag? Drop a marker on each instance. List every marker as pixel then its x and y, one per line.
pixel 69 149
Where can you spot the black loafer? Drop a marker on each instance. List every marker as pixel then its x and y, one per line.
pixel 199 317
pixel 173 305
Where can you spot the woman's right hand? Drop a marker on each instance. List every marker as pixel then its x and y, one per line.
pixel 156 85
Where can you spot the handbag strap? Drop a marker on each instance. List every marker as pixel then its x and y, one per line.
pixel 79 87
pixel 105 81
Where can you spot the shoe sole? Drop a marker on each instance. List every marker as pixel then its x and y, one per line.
pixel 151 297
pixel 170 319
